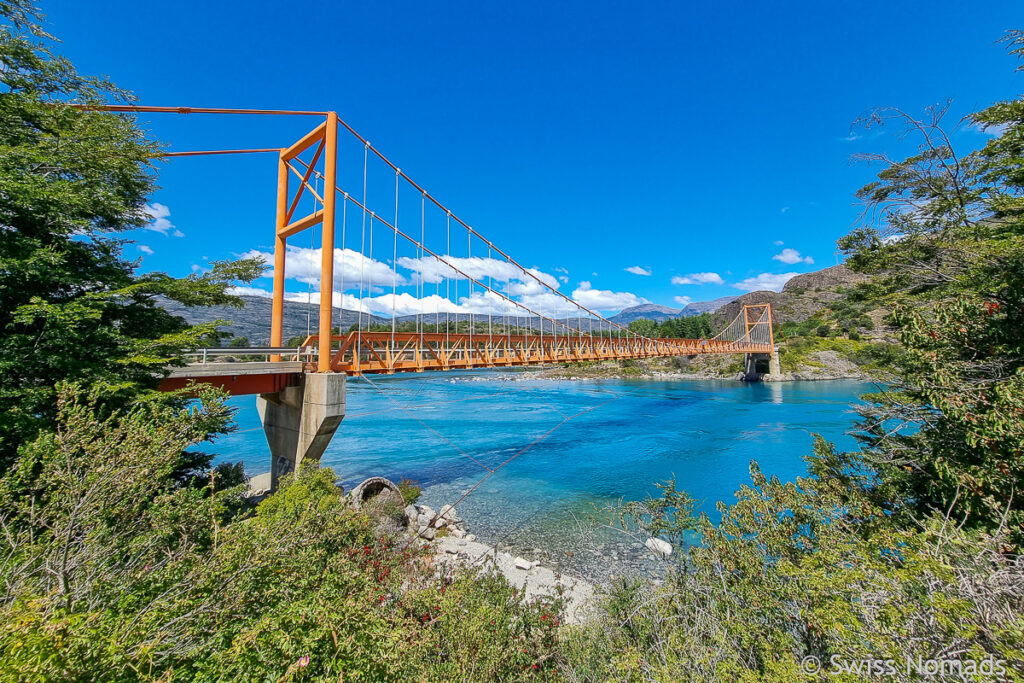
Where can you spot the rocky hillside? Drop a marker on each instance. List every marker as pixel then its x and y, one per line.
pixel 800 298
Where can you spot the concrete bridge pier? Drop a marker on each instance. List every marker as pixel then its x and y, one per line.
pixel 299 421
pixel 757 364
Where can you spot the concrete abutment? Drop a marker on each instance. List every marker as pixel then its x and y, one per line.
pixel 299 421
pixel 756 365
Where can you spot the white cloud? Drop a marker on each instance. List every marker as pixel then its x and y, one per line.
pixel 196 268
pixel 784 209
pixel 249 291
pixel 791 256
pixel 851 137
pixel 771 281
pixel 638 270
pixel 681 300
pixel 160 223
pixel 564 279
pixel 603 299
pixel 698 279
pixel 778 243
pixel 144 249
pixel 351 267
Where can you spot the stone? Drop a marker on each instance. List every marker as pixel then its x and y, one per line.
pixel 470 537
pixel 659 546
pixel 523 563
pixel 452 551
pixel 457 532
pixel 440 523
pixel 427 533
pixel 423 520
pixel 448 512
pixel 411 515
pixel 535 563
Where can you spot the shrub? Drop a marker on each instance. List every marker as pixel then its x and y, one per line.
pixel 112 566
pixel 410 491
pixel 811 567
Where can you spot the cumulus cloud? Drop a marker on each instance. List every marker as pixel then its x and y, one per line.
pixel 682 300
pixel 604 299
pixel 161 222
pixel 791 256
pixel 144 249
pixel 771 281
pixel 778 243
pixel 638 270
pixel 698 279
pixel 350 267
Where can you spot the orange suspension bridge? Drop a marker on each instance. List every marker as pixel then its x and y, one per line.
pixel 429 291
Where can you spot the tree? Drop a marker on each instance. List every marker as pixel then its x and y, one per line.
pixel 72 307
pixel 945 239
pixel 644 327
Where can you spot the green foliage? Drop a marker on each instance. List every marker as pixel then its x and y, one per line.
pixel 112 565
pixel 71 306
pixel 949 254
pixel 694 327
pixel 410 491
pixel 811 567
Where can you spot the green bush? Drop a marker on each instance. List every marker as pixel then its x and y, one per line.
pixel 410 491
pixel 112 566
pixel 806 568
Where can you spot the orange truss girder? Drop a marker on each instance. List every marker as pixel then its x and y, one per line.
pixel 359 353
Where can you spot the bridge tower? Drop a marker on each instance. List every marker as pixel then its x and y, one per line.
pixel 758 328
pixel 300 420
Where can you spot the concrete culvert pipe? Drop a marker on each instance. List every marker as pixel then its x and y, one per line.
pixel 372 487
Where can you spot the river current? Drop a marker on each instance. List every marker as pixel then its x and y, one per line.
pixel 544 455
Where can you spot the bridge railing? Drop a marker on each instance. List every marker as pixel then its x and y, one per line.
pixel 294 353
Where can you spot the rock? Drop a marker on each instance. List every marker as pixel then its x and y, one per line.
pixel 523 563
pixel 659 546
pixel 448 512
pixel 457 532
pixel 411 515
pixel 451 551
pixel 427 533
pixel 440 523
pixel 424 520
pixel 470 537
pixel 535 563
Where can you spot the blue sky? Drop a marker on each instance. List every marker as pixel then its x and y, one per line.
pixel 641 151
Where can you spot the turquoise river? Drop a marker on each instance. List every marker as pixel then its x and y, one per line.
pixel 560 450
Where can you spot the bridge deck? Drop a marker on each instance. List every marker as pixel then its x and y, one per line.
pixel 238 378
pixel 383 352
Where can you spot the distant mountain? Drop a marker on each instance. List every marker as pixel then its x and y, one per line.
pixel 649 311
pixel 253 319
pixel 662 313
pixel 698 307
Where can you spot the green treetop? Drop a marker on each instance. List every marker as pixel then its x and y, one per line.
pixel 72 307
